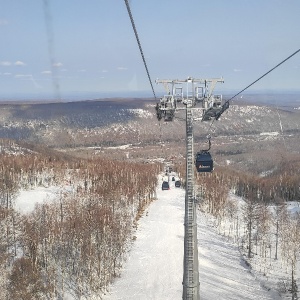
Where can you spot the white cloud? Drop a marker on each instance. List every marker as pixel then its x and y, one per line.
pixel 57 65
pixel 19 63
pixel 122 68
pixel 5 63
pixel 237 70
pixel 104 71
pixel 82 70
pixel 7 74
pixel 3 22
pixel 23 76
pixel 46 72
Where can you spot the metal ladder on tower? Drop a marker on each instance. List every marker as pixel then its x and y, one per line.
pixel 191 273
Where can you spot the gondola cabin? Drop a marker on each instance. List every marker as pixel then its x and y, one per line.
pixel 204 161
pixel 165 185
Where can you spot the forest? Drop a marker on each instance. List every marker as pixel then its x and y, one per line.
pixel 76 244
pixel 258 219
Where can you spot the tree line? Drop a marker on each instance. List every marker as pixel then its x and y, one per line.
pixel 258 220
pixel 252 211
pixel 77 243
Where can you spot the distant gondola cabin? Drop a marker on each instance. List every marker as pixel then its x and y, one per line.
pixel 204 161
pixel 165 185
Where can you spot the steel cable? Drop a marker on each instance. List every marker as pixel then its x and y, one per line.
pixel 264 75
pixel 139 44
pixel 227 101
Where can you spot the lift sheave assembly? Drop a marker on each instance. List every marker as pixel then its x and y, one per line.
pixel 195 94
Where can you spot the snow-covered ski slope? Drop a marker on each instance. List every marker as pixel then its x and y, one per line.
pixel 154 268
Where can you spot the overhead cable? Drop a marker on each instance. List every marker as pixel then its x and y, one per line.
pixel 139 44
pixel 226 104
pixel 264 74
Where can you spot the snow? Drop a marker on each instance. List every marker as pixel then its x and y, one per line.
pixel 142 113
pixel 155 265
pixel 275 133
pixel 223 274
pixel 154 269
pixel 123 147
pixel 14 150
pixel 293 208
pixel 267 173
pixel 27 199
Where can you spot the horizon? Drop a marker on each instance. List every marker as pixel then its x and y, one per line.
pixel 84 96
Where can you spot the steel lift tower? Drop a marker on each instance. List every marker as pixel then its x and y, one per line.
pixel 190 94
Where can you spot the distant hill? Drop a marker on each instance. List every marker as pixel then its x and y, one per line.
pixel 120 121
pixel 244 128
pixel 55 124
pixel 285 101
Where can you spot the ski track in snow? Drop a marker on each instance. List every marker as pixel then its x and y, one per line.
pixel 223 274
pixel 154 268
pixel 151 271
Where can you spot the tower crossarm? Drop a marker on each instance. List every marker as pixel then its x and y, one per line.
pixel 197 90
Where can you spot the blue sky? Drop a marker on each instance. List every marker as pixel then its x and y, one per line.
pixel 88 47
